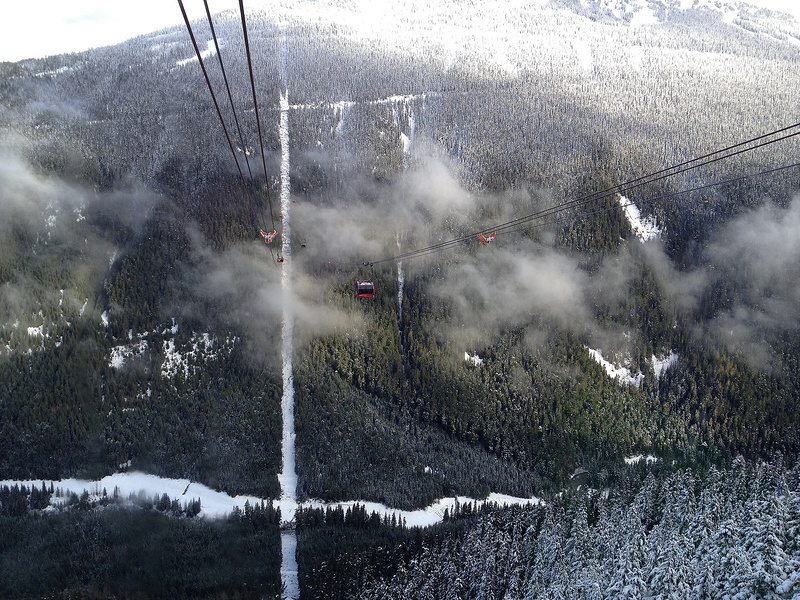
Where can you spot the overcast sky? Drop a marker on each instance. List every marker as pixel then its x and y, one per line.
pixel 37 28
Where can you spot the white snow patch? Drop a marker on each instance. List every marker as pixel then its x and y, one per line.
pixel 401 279
pixel 662 363
pixel 584 54
pixel 173 329
pixel 635 56
pixel 83 308
pixel 623 374
pixel 338 113
pixel 405 142
pixel 432 514
pixel 291 582
pixel 645 229
pixel 209 51
pixel 214 504
pixel 643 15
pixel 177 362
pixel 473 358
pixel 119 354
pixel 53 72
pixel 174 362
pixel 36 331
pixel 632 460
pixel 288 476
pixel 104 318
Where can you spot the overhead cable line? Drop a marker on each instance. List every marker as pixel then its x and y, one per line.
pixel 625 187
pixel 216 105
pixel 228 88
pixel 628 186
pixel 703 157
pixel 645 201
pixel 255 105
pixel 566 219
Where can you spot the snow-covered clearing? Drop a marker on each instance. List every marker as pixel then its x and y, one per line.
pixel 176 362
pixel 643 15
pixel 645 229
pixel 119 354
pixel 404 104
pixel 216 504
pixel 401 279
pixel 289 576
pixel 209 51
pixel 473 358
pixel 623 374
pixel 339 107
pixel 662 363
pixel 584 55
pixel 53 72
pixel 287 477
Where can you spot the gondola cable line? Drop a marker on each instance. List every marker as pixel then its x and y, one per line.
pixel 255 106
pixel 225 128
pixel 621 189
pixel 568 218
pixel 646 201
pixel 228 88
pixel 485 235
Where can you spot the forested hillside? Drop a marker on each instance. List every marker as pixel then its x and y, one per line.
pixel 724 534
pixel 124 172
pixel 140 313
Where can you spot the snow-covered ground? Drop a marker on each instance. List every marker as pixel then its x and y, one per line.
pixel 339 108
pixel 473 358
pixel 662 363
pixel 287 477
pixel 623 374
pixel 216 504
pixel 401 279
pixel 119 354
pixel 177 362
pixel 291 588
pixel 632 460
pixel 209 51
pixel 645 229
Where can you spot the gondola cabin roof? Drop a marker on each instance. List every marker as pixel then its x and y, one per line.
pixel 365 289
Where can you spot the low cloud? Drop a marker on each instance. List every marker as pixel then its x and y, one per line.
pixel 758 254
pixel 496 288
pixel 58 238
pixel 242 288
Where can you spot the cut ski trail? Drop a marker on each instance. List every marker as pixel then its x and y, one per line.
pixel 288 475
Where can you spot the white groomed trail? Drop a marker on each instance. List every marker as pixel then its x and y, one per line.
pixel 288 476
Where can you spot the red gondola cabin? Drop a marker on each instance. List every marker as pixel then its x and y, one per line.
pixel 365 289
pixel 485 238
